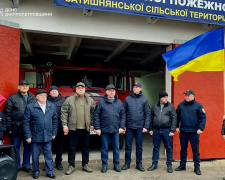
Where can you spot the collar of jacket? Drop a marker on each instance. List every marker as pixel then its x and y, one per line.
pixel 132 94
pixel 54 99
pixel 107 100
pixel 36 105
pixel 191 102
pixel 158 104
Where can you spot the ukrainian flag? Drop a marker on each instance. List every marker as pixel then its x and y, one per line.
pixel 203 53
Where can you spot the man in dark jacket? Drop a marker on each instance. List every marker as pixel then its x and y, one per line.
pixel 162 127
pixel 138 114
pixel 109 120
pixel 14 111
pixel 40 127
pixel 55 97
pixel 192 118
pixel 2 126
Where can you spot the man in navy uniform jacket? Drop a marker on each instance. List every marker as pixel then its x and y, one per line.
pixel 192 118
pixel 40 127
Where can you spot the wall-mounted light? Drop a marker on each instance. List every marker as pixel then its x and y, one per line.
pixel 87 12
pixel 151 20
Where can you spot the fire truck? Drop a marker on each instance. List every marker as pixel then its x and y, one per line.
pixel 65 78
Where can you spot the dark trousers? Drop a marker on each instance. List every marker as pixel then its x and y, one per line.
pixel 163 135
pixel 83 136
pixel 105 139
pixel 129 136
pixel 58 142
pixel 193 137
pixel 16 141
pixel 36 148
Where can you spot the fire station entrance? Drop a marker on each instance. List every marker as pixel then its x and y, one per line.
pixel 141 60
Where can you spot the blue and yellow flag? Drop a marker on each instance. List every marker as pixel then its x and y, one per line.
pixel 203 53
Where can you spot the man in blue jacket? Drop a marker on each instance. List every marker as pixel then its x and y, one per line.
pixel 192 118
pixel 109 120
pixel 137 122
pixel 40 124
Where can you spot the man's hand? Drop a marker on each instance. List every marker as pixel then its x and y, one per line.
pixel 177 129
pixel 223 136
pixel 151 133
pixel 144 130
pixel 28 140
pixel 199 132
pixel 121 130
pixel 53 137
pixel 65 129
pixel 171 134
pixel 91 128
pixel 98 132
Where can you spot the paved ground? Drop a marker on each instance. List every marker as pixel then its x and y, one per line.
pixel 211 170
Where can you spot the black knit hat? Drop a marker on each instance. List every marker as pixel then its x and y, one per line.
pixel 162 94
pixel 39 91
pixel 53 88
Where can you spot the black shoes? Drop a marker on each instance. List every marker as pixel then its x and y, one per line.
pixel 169 169
pixel 52 176
pixel 125 167
pixel 180 168
pixel 117 168
pixel 140 167
pixel 104 169
pixel 153 167
pixel 26 169
pixel 197 171
pixel 35 176
pixel 59 167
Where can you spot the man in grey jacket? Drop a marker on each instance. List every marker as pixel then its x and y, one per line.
pixel 162 127
pixel 77 113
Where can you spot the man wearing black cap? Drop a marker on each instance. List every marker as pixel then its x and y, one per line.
pixel 40 125
pixel 14 111
pixel 55 97
pixel 109 120
pixel 138 115
pixel 192 118
pixel 77 120
pixel 162 127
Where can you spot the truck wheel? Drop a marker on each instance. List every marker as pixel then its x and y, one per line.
pixel 121 141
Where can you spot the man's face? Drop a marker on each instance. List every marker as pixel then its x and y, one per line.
pixel 111 93
pixel 136 89
pixel 164 100
pixel 54 93
pixel 189 97
pixel 80 90
pixel 23 88
pixel 42 97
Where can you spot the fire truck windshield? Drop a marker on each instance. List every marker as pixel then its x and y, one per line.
pixel 92 78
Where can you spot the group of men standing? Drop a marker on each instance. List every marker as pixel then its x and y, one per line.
pixel 36 121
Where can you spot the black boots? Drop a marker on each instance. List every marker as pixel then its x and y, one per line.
pixel 153 167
